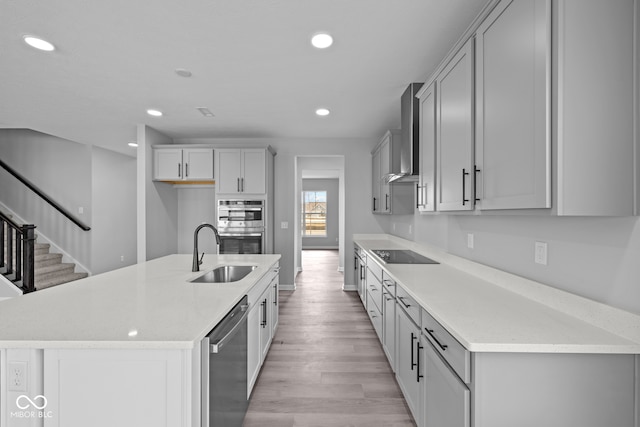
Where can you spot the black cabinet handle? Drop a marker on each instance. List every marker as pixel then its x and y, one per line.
pixel 418 375
pixel 374 204
pixel 401 299
pixel 179 171
pixel 386 202
pixel 413 363
pixel 464 174
pixel 186 170
pixel 475 183
pixel 443 347
pixel 264 313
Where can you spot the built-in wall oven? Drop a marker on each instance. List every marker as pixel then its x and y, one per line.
pixel 241 225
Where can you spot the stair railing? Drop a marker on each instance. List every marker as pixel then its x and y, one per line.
pixel 17 252
pixel 44 196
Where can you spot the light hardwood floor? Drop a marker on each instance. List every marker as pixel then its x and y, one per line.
pixel 325 367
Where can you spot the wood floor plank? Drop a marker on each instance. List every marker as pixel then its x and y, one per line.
pixel 326 367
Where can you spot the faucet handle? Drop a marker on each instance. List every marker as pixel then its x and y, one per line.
pixel 201 257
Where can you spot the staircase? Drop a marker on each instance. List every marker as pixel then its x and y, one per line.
pixel 49 269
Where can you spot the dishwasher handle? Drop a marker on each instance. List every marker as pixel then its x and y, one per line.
pixel 216 344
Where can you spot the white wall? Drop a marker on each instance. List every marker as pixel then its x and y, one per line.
pixel 113 240
pixel 157 216
pixel 74 175
pixel 62 170
pixel 331 239
pixel 196 206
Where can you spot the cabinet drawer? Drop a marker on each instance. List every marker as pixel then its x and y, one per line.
pixel 408 304
pixel 375 269
pixel 375 314
pixel 458 357
pixel 389 284
pixel 374 289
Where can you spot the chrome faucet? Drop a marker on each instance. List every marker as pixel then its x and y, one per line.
pixel 196 261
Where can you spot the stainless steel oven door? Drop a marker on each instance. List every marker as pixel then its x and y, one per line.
pixel 242 243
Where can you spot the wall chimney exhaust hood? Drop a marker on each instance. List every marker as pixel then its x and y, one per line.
pixel 410 139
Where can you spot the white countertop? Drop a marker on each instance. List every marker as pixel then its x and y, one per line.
pixel 488 310
pixel 147 305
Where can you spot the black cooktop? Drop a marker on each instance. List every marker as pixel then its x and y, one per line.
pixel 401 256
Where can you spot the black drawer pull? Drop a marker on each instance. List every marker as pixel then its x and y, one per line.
pixel 433 337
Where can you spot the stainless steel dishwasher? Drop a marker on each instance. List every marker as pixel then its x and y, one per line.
pixel 224 370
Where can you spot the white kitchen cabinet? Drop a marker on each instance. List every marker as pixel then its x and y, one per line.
pixel 241 171
pixel 183 164
pixel 396 198
pixel 407 356
pixel 261 323
pixel 376 180
pixel 274 302
pixel 513 106
pixel 596 107
pixel 129 388
pixel 389 320
pixel 426 191
pixel 455 133
pixel 446 400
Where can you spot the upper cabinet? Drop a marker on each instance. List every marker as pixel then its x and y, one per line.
pixel 389 198
pixel 536 108
pixel 241 171
pixel 454 133
pixel 183 164
pixel 513 99
pixel 426 193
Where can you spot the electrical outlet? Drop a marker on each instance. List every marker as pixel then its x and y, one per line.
pixel 541 253
pixel 470 240
pixel 80 210
pixel 17 376
pixel 284 224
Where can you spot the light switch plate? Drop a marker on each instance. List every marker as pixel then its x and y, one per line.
pixel 470 240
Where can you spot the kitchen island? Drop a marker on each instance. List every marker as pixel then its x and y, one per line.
pixel 120 348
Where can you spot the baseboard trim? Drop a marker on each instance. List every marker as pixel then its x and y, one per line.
pixel 322 248
pixel 349 288
pixel 287 287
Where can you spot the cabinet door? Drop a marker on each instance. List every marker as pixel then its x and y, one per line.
pixel 389 327
pixel 375 181
pixel 254 172
pixel 227 171
pixel 426 186
pixel 265 324
pixel 513 91
pixel 446 399
pixel 455 180
pixel 274 305
pixel 407 367
pixel 254 350
pixel 167 164
pixel 385 169
pixel 198 164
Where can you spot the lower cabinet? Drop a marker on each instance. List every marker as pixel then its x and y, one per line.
pixel 389 321
pixel 262 321
pixel 408 371
pixel 446 400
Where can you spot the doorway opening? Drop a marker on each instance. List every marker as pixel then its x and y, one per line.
pixel 319 207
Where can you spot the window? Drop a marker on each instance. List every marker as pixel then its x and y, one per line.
pixel 314 213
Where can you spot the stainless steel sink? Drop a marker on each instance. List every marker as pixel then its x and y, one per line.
pixel 225 274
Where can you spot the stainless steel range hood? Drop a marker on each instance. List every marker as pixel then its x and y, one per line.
pixel 410 140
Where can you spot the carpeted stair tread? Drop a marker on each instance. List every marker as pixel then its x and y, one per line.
pixel 59 280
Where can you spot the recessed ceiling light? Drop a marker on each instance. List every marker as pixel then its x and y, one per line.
pixel 133 144
pixel 322 40
pixel 322 112
pixel 39 43
pixel 155 113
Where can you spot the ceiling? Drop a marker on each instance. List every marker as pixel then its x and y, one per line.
pixel 251 61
